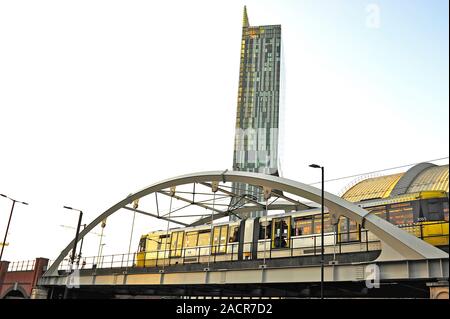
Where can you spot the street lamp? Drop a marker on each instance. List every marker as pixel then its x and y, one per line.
pixel 81 247
pixel 9 221
pixel 74 250
pixel 322 261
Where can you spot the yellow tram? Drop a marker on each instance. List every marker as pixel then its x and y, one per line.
pixel 292 234
pixel 421 210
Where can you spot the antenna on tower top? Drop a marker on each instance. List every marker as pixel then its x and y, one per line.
pixel 245 21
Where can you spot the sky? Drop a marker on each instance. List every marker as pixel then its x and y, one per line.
pixel 99 99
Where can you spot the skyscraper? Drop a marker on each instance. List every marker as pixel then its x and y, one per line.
pixel 258 106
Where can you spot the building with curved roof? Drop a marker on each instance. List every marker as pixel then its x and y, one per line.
pixel 415 200
pixel 422 177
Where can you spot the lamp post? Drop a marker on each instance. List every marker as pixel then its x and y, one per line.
pixel 74 250
pixel 81 247
pixel 322 261
pixel 100 255
pixel 9 221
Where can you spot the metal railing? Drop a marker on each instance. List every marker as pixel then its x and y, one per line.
pixel 306 245
pixel 309 245
pixel 23 265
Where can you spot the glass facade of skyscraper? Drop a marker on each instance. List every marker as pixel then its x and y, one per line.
pixel 258 106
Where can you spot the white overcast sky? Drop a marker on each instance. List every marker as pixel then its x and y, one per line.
pixel 100 98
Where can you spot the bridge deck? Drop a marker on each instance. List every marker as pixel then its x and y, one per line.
pixel 246 276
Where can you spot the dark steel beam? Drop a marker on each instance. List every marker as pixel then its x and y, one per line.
pixel 189 201
pixel 233 194
pixel 156 216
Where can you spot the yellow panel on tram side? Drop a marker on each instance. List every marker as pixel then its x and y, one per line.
pixel 435 233
pixel 145 259
pixel 140 257
pixel 432 194
pixel 148 255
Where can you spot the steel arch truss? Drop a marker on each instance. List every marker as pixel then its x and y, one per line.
pixel 396 243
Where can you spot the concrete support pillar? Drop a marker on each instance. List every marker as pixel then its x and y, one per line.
pixel 39 293
pixel 39 268
pixel 438 290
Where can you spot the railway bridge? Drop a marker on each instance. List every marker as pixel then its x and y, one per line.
pixel 386 262
pixel 19 279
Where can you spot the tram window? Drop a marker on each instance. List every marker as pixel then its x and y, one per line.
pixel 400 214
pixel 191 239
pixel 445 207
pixel 343 229
pixel 328 226
pixel 380 211
pixel 318 224
pixel 348 230
pixel 164 242
pixel 223 236
pixel 343 224
pixel 303 226
pixel 176 244
pixel 142 244
pixel 204 238
pixel 234 234
pixel 353 230
pixel 219 242
pixel 435 209
pixel 265 232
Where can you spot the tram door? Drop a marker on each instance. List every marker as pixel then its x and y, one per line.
pixel 176 244
pixel 219 240
pixel 348 230
pixel 281 232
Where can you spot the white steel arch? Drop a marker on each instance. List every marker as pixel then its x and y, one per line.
pixel 396 244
